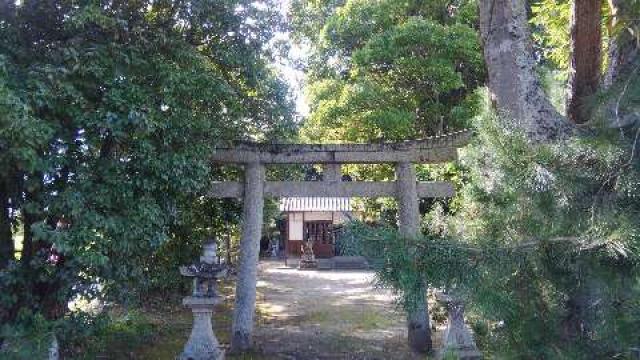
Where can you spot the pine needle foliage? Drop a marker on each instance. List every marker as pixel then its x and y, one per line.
pixel 577 200
pixel 545 248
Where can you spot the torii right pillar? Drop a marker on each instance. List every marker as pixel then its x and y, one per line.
pixel 419 329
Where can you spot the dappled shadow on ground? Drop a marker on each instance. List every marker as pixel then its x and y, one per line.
pixel 303 315
pixel 327 314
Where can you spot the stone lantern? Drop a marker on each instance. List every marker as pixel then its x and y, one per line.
pixel 458 338
pixel 202 343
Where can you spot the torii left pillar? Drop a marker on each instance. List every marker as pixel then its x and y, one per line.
pixel 245 299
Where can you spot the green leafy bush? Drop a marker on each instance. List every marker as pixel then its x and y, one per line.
pixel 109 112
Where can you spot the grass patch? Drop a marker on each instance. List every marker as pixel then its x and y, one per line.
pixel 349 318
pixel 158 331
pixel 123 333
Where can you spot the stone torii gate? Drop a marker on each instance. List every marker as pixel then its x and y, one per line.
pixel 406 189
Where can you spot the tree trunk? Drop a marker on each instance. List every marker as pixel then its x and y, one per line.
pixel 6 236
pixel 622 49
pixel 586 57
pixel 27 238
pixel 513 83
pixel 31 213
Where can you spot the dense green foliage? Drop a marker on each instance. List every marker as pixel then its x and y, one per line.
pixel 544 248
pixel 408 71
pixel 108 111
pixel 551 19
pixel 550 22
pixel 578 201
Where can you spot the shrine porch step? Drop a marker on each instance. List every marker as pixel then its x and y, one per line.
pixel 325 264
pixel 336 262
pixel 350 262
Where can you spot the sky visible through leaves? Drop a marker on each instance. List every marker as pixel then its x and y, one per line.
pixel 291 66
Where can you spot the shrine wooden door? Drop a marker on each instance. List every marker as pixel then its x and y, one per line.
pixel 320 233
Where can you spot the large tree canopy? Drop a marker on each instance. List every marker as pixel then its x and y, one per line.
pixel 407 71
pixel 108 111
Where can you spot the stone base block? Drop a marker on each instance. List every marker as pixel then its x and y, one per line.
pixel 308 264
pixel 461 354
pixel 202 354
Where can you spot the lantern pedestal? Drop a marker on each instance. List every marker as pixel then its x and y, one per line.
pixel 202 344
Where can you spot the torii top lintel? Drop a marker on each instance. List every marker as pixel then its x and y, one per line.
pixel 431 150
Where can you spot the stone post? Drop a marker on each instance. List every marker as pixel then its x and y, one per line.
pixel 202 344
pixel 54 348
pixel 419 330
pixel 332 173
pixel 245 301
pixel 458 338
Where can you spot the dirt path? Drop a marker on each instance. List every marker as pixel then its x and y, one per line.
pixel 327 315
